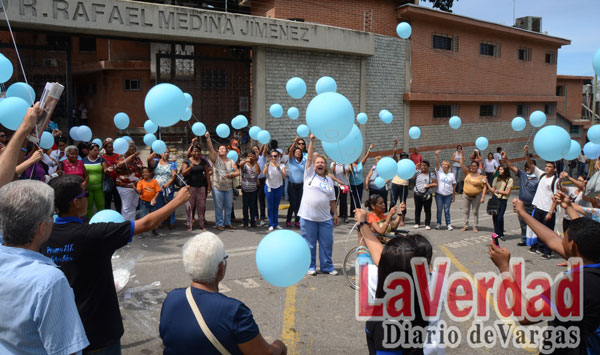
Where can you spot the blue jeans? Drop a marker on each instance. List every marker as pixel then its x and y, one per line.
pixel 273 200
pixel 146 207
pixel 113 349
pixel 223 202
pixel 443 202
pixel 323 233
pixel 529 209
pixel 456 171
pixel 499 218
pixel 161 202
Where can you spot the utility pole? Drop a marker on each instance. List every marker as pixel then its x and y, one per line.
pixel 594 95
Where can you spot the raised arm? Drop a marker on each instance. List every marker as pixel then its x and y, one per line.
pixel 188 153
pixel 527 157
pixel 364 159
pixel 395 150
pixel 212 154
pixel 34 158
pixel 463 166
pixel 580 184
pixel 437 160
pixel 509 164
pixel 311 150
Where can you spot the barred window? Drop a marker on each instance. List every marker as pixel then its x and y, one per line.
pixel 524 54
pixel 489 49
pixel 489 110
pixel 445 111
pixel 522 109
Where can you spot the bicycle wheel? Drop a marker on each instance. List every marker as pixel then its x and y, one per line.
pixel 349 268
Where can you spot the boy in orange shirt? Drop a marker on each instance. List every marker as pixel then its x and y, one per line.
pixel 149 190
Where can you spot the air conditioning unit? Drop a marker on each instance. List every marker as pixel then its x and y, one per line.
pixel 50 62
pixel 530 23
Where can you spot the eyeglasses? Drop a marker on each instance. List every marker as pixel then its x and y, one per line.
pixel 301 143
pixel 2 135
pixel 81 195
pixel 275 156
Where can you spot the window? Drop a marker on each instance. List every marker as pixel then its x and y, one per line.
pixel 524 54
pixel 444 111
pixel 488 110
pixel 87 44
pixel 551 58
pixel 550 109
pixel 489 49
pixel 522 110
pixel 445 42
pixel 574 130
pixel 57 41
pixel 214 79
pixel 132 85
pixel 560 90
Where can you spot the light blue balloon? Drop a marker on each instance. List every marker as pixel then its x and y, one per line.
pixel 233 155
pixel 551 143
pixel 6 69
pixel 293 113
pixel 107 216
pixel 330 117
pixel 121 120
pixel 150 127
pixel 455 122
pixel 406 169
pixel 165 104
pixel 379 182
pixel 187 114
pixel 574 151
pixel 362 118
pixel 223 130
pixel 120 146
pixel 46 140
pixel 97 141
pixel 403 30
pixel 73 133
pixel 12 112
pixel 239 122
pixel 325 84
pixel 149 138
pixel 414 132
pixel 188 99
pixel 276 110
pixel 518 124
pixel 253 132
pixel 303 131
pixel 296 87
pixel 283 258
pixel 264 137
pixel 481 143
pixel 593 134
pixel 386 168
pixel 347 150
pixel 159 147
pixel 84 133
pixel 199 129
pixel 22 90
pixel 595 62
pixel 386 116
pixel 591 150
pixel 537 118
pixel 127 138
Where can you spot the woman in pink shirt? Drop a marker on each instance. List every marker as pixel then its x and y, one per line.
pixel 73 166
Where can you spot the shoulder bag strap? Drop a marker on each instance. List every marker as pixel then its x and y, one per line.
pixel 209 335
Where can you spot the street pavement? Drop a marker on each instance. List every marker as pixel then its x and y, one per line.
pixel 316 316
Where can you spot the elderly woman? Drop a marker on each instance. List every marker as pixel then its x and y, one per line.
pixel 316 208
pixel 201 318
pixel 224 170
pixel 73 165
pixel 444 196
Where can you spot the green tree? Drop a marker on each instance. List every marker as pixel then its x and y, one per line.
pixel 444 5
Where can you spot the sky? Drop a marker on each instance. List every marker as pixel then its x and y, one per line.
pixel 575 20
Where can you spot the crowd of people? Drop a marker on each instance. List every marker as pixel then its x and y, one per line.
pixel 44 214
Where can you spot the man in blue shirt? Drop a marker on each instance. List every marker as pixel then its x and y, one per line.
pixel 528 183
pixel 38 313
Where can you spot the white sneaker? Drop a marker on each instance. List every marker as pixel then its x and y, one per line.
pixel 278 227
pixel 312 272
pixel 427 228
pixel 333 273
pixel 416 226
pixel 450 227
pixel 271 229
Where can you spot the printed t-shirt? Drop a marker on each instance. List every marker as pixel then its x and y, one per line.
pixel 220 169
pixel 249 177
pixel 317 193
pixel 445 182
pixel 149 189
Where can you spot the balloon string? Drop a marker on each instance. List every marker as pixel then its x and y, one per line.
pixel 531 134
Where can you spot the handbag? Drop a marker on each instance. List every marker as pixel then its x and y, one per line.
pixel 108 184
pixel 207 333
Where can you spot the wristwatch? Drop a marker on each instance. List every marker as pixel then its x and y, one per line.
pixel 360 224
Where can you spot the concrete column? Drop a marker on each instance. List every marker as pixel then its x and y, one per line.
pixel 259 96
pixel 407 88
pixel 362 105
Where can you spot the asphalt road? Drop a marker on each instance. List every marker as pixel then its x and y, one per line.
pixel 318 314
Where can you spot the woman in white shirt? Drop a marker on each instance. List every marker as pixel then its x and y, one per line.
pixel 318 203
pixel 456 161
pixel 490 166
pixel 274 172
pixel 446 188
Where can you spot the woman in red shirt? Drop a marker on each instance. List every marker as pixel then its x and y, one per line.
pixel 73 166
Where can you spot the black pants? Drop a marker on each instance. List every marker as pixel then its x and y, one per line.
pixel 261 199
pixel 249 205
pixel 422 203
pixel 566 223
pixel 381 192
pixel 540 216
pixel 499 218
pixel 399 192
pixel 356 192
pixel 110 196
pixel 343 202
pixel 295 196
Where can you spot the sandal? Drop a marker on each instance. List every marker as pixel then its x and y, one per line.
pixel 220 228
pixel 464 229
pixel 475 230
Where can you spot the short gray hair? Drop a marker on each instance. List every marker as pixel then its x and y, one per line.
pixel 202 256
pixel 70 148
pixel 24 205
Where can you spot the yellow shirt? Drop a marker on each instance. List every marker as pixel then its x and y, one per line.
pixel 398 181
pixel 473 185
pixel 500 185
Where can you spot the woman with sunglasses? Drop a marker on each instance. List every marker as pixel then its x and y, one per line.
pixel 274 172
pixel 93 165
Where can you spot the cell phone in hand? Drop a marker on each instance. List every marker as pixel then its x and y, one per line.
pixel 496 239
